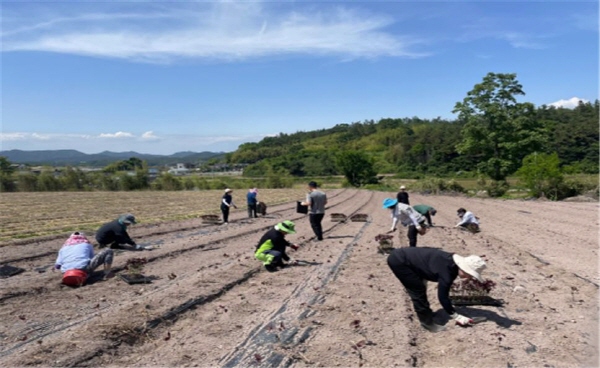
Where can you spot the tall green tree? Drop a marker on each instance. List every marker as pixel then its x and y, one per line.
pixel 357 167
pixel 541 174
pixel 498 131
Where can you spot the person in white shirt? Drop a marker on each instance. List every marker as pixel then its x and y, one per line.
pixel 467 220
pixel 408 217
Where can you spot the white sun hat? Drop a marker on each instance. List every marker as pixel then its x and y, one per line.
pixel 473 265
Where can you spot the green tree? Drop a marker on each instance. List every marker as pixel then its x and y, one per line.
pixel 6 166
pixel 167 182
pixel 27 182
pixel 72 179
pixel 48 183
pixel 7 183
pixel 357 167
pixel 498 131
pixel 541 174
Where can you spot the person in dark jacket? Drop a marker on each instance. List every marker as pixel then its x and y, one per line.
pixel 415 266
pixel 252 202
pixel 270 249
pixel 402 195
pixel 114 233
pixel 226 204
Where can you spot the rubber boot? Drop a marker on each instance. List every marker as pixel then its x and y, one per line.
pixel 433 327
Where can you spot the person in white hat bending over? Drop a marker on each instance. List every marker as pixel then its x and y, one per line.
pixel 415 266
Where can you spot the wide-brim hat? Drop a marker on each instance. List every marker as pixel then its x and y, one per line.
pixel 389 202
pixel 402 187
pixel 227 190
pixel 287 227
pixel 473 265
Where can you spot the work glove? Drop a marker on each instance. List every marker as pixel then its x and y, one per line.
pixel 294 246
pixel 292 262
pixel 462 320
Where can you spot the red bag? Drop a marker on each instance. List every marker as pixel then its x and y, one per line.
pixel 74 277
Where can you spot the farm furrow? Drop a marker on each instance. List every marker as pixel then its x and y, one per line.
pixel 293 310
pixel 211 266
pixel 528 285
pixel 17 248
pixel 212 304
pixel 257 225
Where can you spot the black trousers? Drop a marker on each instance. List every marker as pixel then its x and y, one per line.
pixel 225 211
pixel 414 285
pixel 315 223
pixel 428 217
pixel 252 210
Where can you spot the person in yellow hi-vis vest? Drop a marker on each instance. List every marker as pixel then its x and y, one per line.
pixel 271 247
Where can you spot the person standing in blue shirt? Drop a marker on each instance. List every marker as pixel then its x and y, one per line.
pixel 252 202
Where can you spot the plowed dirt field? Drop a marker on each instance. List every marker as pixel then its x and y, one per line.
pixel 212 304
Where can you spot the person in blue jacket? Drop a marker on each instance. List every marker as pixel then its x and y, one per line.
pixel 252 202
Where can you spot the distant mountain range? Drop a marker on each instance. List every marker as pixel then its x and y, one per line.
pixel 76 158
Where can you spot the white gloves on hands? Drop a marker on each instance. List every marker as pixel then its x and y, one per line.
pixel 292 262
pixel 462 320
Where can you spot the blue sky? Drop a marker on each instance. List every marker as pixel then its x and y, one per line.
pixel 162 77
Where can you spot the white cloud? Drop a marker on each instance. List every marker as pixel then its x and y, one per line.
pixel 227 31
pixel 12 136
pixel 523 41
pixel 20 136
pixel 117 135
pixel 568 104
pixel 149 135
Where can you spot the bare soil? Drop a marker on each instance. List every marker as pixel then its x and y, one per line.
pixel 211 303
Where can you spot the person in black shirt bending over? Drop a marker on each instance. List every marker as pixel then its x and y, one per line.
pixel 415 266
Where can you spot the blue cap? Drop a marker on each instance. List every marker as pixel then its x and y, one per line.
pixel 389 202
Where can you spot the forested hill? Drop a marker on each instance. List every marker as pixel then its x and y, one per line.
pixel 413 145
pixel 73 157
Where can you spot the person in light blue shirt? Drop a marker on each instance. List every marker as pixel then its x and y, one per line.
pixel 77 253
